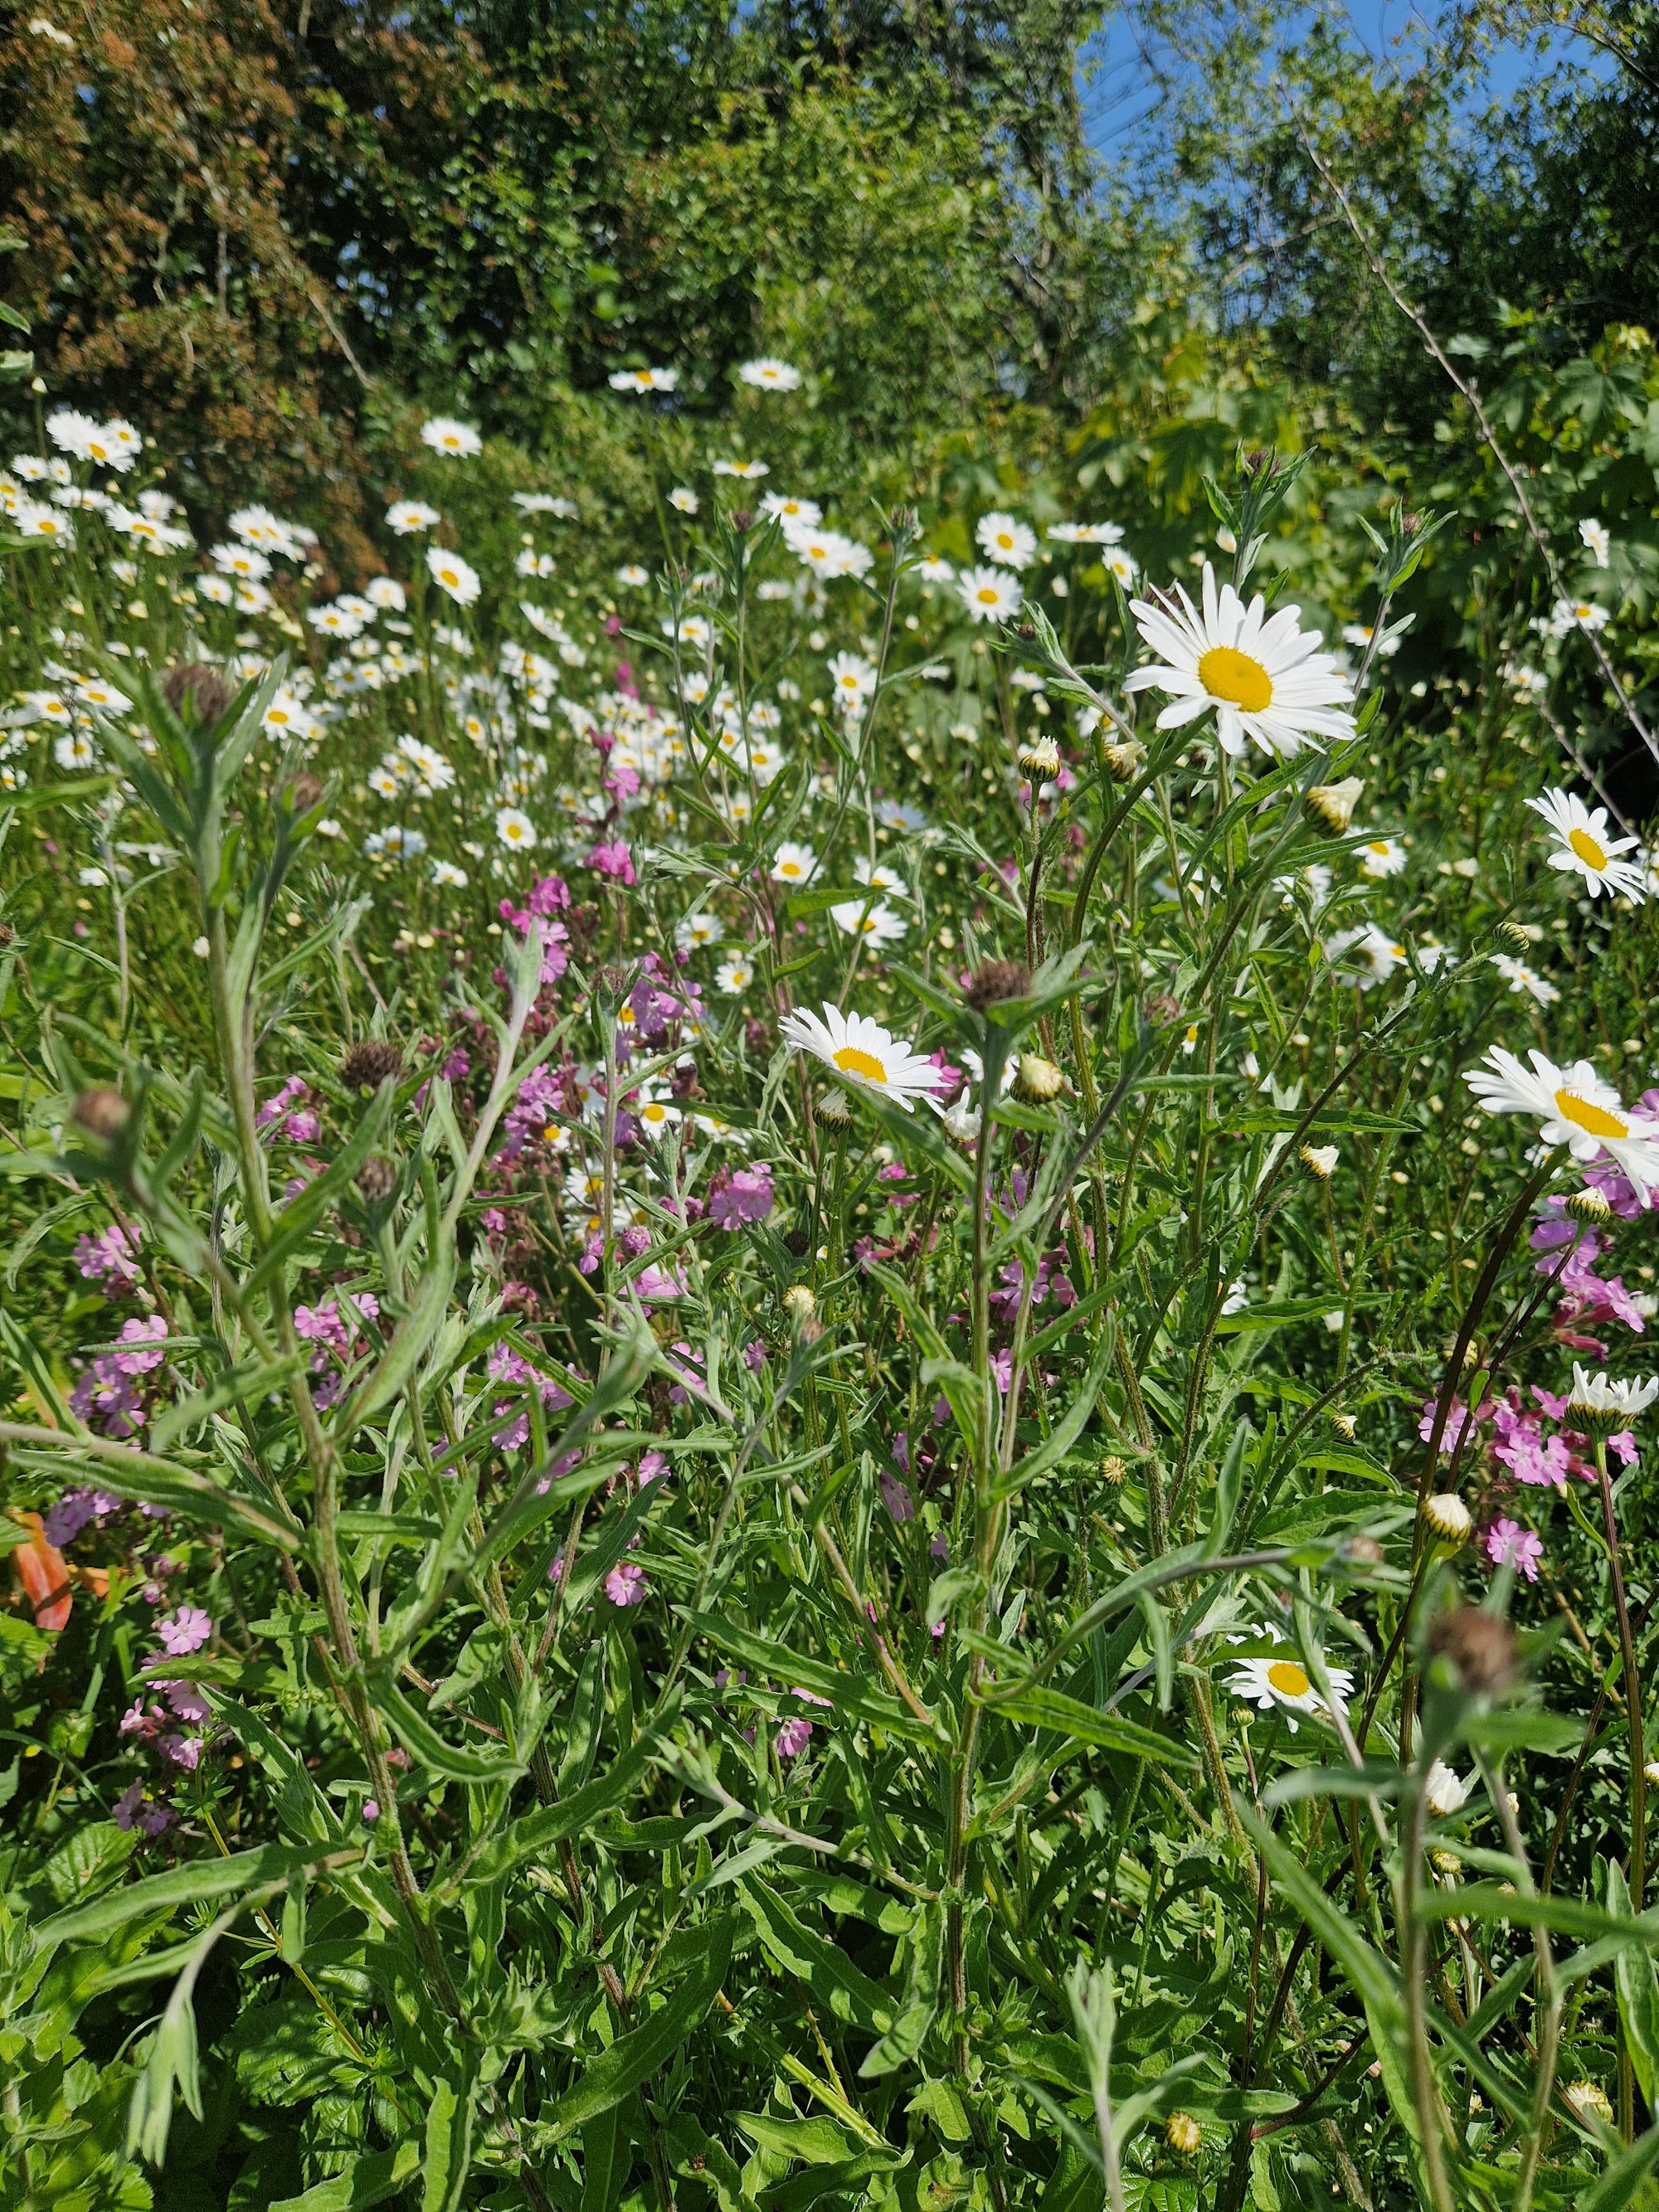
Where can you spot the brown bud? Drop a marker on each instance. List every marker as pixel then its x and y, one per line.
pixel 997 979
pixel 795 1241
pixel 303 792
pixel 369 1063
pixel 1161 1007
pixel 684 1081
pixel 377 1179
pixel 1363 1552
pixel 613 983
pixel 1260 461
pixel 742 520
pixel 101 1113
pixel 1481 1648
pixel 7 933
pixel 204 688
pixel 1025 633
pixel 1410 523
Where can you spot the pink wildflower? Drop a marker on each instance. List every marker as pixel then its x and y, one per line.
pixel 1510 1545
pixel 626 1584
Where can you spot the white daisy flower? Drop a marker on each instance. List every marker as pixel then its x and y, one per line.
pixel 1575 614
pixel 1586 849
pixel 75 750
pixel 805 512
pixel 751 471
pixel 877 925
pixel 1376 952
pixel 644 379
pixel 1520 977
pixel 448 876
pixel 1282 1681
pixel 1597 541
pixel 1446 1791
pixel 385 593
pixel 683 498
pixel 1610 1404
pixel 1360 635
pixel 631 576
pixel 990 594
pixel 1116 562
pixel 1008 543
pixel 1085 533
pixel 104 698
pixel 453 574
pixel 514 828
pixel 733 976
pixel 218 589
pixel 1265 678
pixel 31 520
pixel 881 878
pixel 767 374
pixel 863 1052
pixel 546 502
pixel 853 680
pixel 405 516
pixel 445 435
pixel 795 864
pixel 827 552
pixel 655 1113
pixel 1381 856
pixel 1575 1108
pixel 696 931
pixel 933 569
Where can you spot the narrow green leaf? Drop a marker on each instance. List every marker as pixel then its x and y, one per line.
pixel 247 1382
pixel 830 1976
pixel 617 2073
pixel 366 2181
pixel 849 1693
pixel 1037 1705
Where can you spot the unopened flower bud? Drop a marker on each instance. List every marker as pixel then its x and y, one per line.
pixel 1040 756
pixel 1363 1552
pixel 196 693
pixel 800 1303
pixel 1123 762
pixel 377 1179
pixel 1447 1515
pixel 371 1811
pixel 1513 935
pixel 1112 1470
pixel 102 1112
pixel 1183 2134
pixel 1039 1080
pixel 369 1063
pixel 1482 1650
pixel 1332 804
pixel 993 980
pixel 1590 1205
pixel 1590 2101
pixel 741 521
pixel 303 792
pixel 834 1106
pixel 1345 1426
pixel 1320 1160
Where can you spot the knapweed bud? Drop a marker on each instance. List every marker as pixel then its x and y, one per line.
pixel 995 980
pixel 1124 762
pixel 1482 1650
pixel 1332 805
pixel 369 1063
pixel 195 692
pixel 102 1112
pixel 7 933
pixel 1040 757
pixel 1362 1552
pixel 1039 1080
pixel 1183 2134
pixel 377 1179
pixel 1447 1515
pixel 303 792
pixel 1319 1161
pixel 741 521
pixel 795 1241
pixel 1589 1205
pixel 1112 1470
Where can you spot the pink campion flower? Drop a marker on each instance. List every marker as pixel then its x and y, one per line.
pixel 754 1355
pixel 186 1700
pixel 274 1108
pixel 1510 1545
pixel 626 1584
pixel 792 1737
pixel 132 1720
pixel 623 782
pixel 457 1067
pixel 1624 1444
pixel 301 1128
pixel 187 1630
pixel 939 1547
pixel 184 1751
pixel 660 1284
pixel 896 1497
pixel 371 1811
pixel 635 1239
pixel 134 1809
pixel 613 859
pixel 811 1698
pixel 592 1254
pixel 653 1465
pixel 107 1259
pixel 950 1078
pixel 1460 1423
pixel 150 1331
pixel 741 1197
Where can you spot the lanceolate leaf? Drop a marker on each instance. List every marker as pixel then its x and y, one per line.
pixel 618 2072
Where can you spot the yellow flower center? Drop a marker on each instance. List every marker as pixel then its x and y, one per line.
pixel 987 595
pixel 1226 674
pixel 852 1061
pixel 1288 1679
pixel 1587 849
pixel 1595 1120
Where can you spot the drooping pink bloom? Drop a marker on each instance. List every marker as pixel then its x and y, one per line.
pixel 613 858
pixel 107 1259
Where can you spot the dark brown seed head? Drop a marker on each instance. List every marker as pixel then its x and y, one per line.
pixel 195 692
pixel 377 1179
pixel 369 1063
pixel 684 1081
pixel 795 1241
pixel 1260 462
pixel 1481 1648
pixel 997 979
pixel 101 1113
pixel 741 521
pixel 304 792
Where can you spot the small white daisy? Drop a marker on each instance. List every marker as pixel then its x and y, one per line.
pixel 1586 849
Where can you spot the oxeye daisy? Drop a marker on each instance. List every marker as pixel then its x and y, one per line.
pixel 1381 856
pixel 863 1052
pixel 1586 849
pixel 877 925
pixel 990 594
pixel 453 574
pixel 644 379
pixel 1266 679
pixel 445 435
pixel 1279 1679
pixel 514 828
pixel 767 374
pixel 795 864
pixel 1010 544
pixel 1574 1108
pixel 734 976
pixel 804 511
pixel 405 516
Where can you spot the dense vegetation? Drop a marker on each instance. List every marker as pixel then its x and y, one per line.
pixel 823 1297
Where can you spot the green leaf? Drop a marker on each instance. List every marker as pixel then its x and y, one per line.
pixel 366 2181
pixel 248 1381
pixel 410 1339
pixel 1064 1433
pixel 849 1693
pixel 533 1835
pixel 817 2142
pixel 448 2144
pixel 1036 1705
pixel 423 1741
pixel 617 2073
pixel 1638 1992
pixel 830 1976
pixel 1619 2185
pixel 604 2162
pixel 191 1884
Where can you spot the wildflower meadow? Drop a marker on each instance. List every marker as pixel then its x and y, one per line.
pixel 826 1310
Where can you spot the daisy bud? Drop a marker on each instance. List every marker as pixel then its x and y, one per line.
pixel 961 1123
pixel 1332 804
pixel 1123 762
pixel 1183 2134
pixel 1482 1650
pixel 1651 1770
pixel 1444 1862
pixel 1039 1080
pixel 1599 1405
pixel 1040 756
pixel 834 1107
pixel 1513 935
pixel 1590 1205
pixel 800 1303
pixel 1319 1161
pixel 993 980
pixel 101 1113
pixel 1590 2101
pixel 1347 1427
pixel 1447 1515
